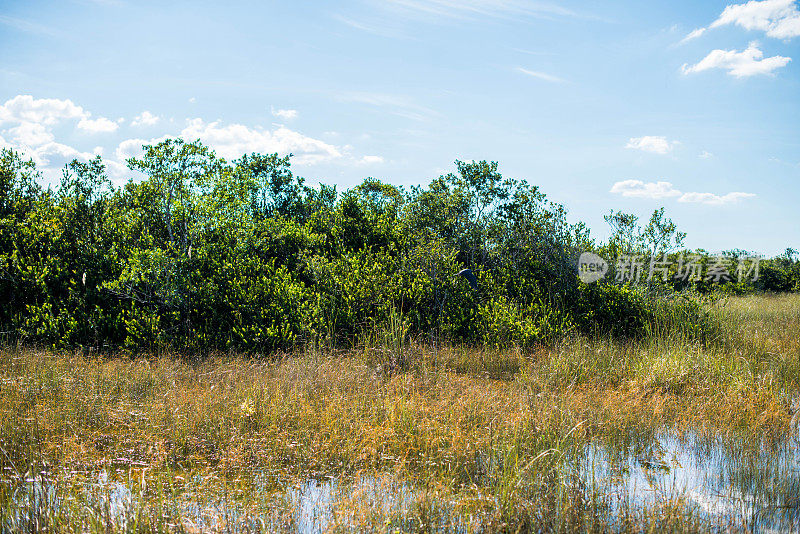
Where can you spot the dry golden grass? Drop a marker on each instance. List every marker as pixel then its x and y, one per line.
pixel 460 421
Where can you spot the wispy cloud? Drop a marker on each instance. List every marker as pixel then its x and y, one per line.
pixel 749 62
pixel 395 15
pixel 285 114
pixel 694 34
pixel 399 105
pixel 662 190
pixel 776 18
pixel 375 27
pixel 711 198
pixel 541 75
pixel 462 9
pixel 145 118
pixel 657 144
pixel 531 52
pixel 370 160
pixel 784 163
pixel 98 125
pixel 107 2
pixel 640 189
pixel 26 26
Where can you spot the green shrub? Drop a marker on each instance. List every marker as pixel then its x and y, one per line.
pixel 504 323
pixel 206 254
pixel 609 309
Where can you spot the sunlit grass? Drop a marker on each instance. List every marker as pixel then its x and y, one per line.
pixel 488 439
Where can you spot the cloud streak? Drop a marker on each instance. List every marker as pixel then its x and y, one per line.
pixel 640 189
pixel 461 9
pixel 26 26
pixel 285 114
pixel 399 105
pixel 656 144
pixel 661 190
pixel 540 75
pixel 749 62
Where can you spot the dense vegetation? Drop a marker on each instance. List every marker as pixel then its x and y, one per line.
pixel 204 254
pixel 539 377
pixel 589 435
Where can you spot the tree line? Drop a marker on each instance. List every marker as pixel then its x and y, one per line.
pixel 204 254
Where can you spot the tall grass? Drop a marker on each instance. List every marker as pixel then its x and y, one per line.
pixel 488 439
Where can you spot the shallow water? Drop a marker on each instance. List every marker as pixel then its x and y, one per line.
pixel 755 486
pixel 733 482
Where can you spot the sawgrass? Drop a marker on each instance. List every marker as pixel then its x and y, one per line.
pixel 487 439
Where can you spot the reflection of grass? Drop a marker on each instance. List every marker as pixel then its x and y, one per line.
pixel 487 438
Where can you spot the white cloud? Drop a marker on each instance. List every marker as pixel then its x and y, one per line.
pixel 285 114
pixel 47 111
pixel 130 148
pixel 234 140
pixel 541 75
pixel 777 18
pixel 370 160
pixel 694 34
pixel 99 125
pixel 705 154
pixel 659 190
pixel 639 189
pixel 39 145
pixel 742 64
pixel 117 171
pixel 30 134
pixel 652 143
pixel 27 124
pixel 711 198
pixel 192 100
pixel 38 142
pixel 57 154
pixel 145 118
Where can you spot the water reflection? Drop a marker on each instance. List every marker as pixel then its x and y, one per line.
pixel 739 482
pixel 753 485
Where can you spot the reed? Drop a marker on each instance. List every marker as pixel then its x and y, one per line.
pixel 464 438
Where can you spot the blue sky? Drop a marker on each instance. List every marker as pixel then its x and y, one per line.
pixel 625 105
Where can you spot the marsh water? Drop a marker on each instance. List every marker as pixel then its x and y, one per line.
pixel 752 485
